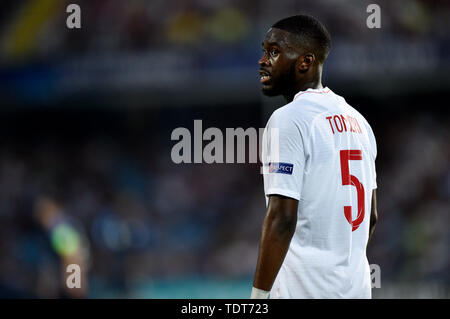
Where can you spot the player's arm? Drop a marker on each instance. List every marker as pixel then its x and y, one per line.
pixel 277 231
pixel 373 214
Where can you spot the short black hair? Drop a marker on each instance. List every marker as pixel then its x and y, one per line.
pixel 310 32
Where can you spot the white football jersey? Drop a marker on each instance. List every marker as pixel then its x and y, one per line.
pixel 321 151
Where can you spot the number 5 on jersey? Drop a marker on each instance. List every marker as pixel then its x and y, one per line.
pixel 347 179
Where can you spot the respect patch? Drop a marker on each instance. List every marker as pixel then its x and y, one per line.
pixel 282 168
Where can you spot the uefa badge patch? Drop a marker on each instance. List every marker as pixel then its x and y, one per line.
pixel 282 168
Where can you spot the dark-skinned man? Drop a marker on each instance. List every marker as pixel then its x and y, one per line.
pixel 318 156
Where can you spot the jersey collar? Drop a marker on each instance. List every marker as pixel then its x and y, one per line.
pixel 319 91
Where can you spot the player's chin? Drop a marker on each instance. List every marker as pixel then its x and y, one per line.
pixel 269 90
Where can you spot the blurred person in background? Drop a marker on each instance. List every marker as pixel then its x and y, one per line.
pixel 69 243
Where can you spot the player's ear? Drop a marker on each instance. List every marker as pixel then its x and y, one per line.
pixel 305 61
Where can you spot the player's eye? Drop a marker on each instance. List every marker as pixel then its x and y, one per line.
pixel 274 53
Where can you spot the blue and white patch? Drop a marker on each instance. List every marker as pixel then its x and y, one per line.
pixel 282 168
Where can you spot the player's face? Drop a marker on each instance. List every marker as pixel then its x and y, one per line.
pixel 277 65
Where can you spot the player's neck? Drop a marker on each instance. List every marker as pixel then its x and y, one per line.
pixel 314 81
pixel 314 84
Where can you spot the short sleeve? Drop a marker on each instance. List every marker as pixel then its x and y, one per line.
pixel 283 157
pixel 373 145
pixel 374 181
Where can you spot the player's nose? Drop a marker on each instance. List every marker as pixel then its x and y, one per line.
pixel 264 61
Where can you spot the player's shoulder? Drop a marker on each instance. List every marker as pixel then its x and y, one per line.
pixel 361 119
pixel 301 112
pixel 287 120
pixel 353 111
pixel 304 104
pixel 307 106
pixel 364 122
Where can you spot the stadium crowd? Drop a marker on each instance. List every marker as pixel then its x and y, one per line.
pixel 111 198
pixel 142 217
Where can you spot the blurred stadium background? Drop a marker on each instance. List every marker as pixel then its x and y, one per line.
pixel 86 116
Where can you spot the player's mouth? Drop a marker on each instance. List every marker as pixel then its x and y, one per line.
pixel 265 77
